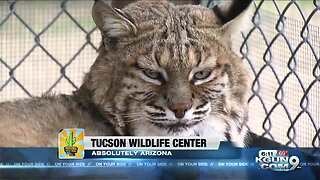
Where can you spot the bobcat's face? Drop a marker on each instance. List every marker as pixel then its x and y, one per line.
pixel 166 69
pixel 173 89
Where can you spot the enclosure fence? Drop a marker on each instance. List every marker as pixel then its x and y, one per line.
pixel 47 46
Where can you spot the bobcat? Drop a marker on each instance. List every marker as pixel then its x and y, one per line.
pixel 161 70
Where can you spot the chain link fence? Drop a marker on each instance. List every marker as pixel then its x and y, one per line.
pixel 286 70
pixel 47 46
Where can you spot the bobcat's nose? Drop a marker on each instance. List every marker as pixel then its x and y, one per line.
pixel 180 109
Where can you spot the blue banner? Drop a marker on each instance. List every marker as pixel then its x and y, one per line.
pixel 227 163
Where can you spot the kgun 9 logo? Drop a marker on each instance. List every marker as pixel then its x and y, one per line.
pixel 277 160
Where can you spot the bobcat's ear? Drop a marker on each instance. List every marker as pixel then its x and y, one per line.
pixel 233 15
pixel 112 22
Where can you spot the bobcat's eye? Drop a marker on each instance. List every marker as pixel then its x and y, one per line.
pixel 153 74
pixel 200 75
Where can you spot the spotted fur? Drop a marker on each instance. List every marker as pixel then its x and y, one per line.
pixel 176 42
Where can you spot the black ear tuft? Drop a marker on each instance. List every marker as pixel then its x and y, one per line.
pixel 229 11
pixel 120 3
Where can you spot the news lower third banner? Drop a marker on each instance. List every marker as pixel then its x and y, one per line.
pixel 73 144
pixel 205 158
pixel 150 147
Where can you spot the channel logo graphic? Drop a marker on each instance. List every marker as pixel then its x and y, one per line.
pixel 71 144
pixel 277 160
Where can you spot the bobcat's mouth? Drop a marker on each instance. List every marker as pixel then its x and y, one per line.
pixel 176 126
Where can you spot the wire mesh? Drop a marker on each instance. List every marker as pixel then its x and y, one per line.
pixel 282 50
